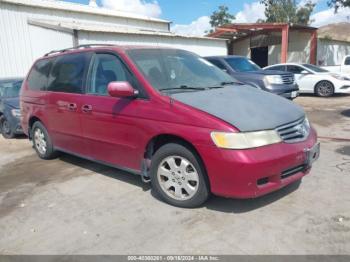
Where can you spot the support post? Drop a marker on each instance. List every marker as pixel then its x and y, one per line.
pixel 75 38
pixel 284 47
pixel 313 48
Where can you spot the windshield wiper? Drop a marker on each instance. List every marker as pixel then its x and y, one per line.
pixel 223 84
pixel 231 83
pixel 183 87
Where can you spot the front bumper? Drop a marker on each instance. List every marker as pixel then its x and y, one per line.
pixel 256 172
pixel 287 91
pixel 345 89
pixel 15 125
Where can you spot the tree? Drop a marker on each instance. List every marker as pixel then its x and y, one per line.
pixel 221 17
pixel 287 11
pixel 338 3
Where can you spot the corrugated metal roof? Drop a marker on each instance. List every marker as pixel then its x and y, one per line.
pixel 73 7
pixel 89 27
pixel 338 32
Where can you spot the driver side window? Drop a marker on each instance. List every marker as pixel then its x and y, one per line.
pixel 106 68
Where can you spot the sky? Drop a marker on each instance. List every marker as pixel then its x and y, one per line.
pixel 191 17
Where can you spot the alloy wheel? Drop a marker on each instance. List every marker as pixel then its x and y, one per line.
pixel 178 177
pixel 325 88
pixel 40 141
pixel 6 127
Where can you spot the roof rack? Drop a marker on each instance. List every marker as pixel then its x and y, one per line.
pixel 75 48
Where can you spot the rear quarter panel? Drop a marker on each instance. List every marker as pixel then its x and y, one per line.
pixel 32 104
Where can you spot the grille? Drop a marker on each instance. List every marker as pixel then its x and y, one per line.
pixel 294 132
pixel 292 171
pixel 288 79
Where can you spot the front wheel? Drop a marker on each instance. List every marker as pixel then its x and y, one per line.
pixel 42 142
pixel 5 127
pixel 178 176
pixel 324 89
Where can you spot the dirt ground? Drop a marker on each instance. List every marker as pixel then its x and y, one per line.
pixel 73 206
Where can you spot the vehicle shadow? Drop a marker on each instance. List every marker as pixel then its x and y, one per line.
pixel 229 205
pixel 104 170
pixel 214 203
pixel 334 96
pixel 345 112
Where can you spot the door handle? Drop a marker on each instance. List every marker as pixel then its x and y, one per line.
pixel 86 108
pixel 72 106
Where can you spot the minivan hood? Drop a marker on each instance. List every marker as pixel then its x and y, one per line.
pixel 12 102
pixel 244 107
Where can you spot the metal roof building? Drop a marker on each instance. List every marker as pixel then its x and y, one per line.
pixel 31 28
pixel 272 43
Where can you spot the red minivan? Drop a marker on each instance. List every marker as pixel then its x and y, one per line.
pixel 171 117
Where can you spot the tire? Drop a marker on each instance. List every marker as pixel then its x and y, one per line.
pixel 184 173
pixel 324 88
pixel 6 128
pixel 42 142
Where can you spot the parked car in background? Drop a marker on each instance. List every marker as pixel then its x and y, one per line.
pixel 343 68
pixel 314 79
pixel 246 71
pixel 9 107
pixel 170 116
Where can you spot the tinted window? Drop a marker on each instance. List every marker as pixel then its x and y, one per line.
pixel 277 68
pixel 107 68
pixel 295 69
pixel 68 73
pixel 37 79
pixel 242 64
pixel 167 69
pixel 218 63
pixel 10 88
pixel 347 61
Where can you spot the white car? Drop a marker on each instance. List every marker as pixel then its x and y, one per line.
pixel 313 79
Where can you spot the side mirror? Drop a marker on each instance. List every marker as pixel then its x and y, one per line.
pixel 304 72
pixel 121 89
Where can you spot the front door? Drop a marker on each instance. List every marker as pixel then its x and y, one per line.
pixel 112 126
pixel 303 78
pixel 66 91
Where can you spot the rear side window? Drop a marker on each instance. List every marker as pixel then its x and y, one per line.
pixel 68 73
pixel 37 79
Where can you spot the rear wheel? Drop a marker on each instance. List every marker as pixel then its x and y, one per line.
pixel 324 89
pixel 6 130
pixel 178 176
pixel 42 142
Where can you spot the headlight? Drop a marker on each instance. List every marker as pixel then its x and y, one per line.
pixel 339 77
pixel 244 140
pixel 274 79
pixel 16 113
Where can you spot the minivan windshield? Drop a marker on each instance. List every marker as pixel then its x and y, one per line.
pixel 316 69
pixel 242 64
pixel 10 88
pixel 178 70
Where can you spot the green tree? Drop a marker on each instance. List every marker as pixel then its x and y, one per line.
pixel 287 11
pixel 221 17
pixel 338 3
